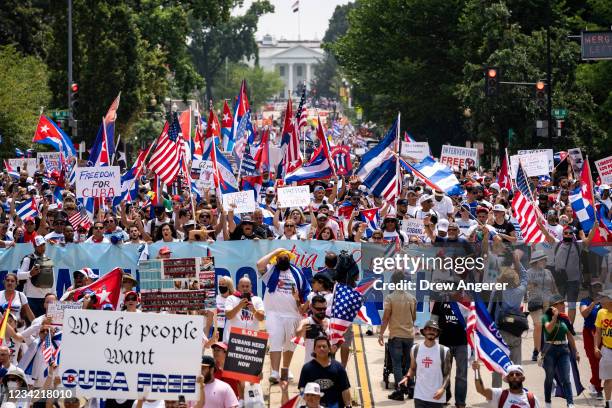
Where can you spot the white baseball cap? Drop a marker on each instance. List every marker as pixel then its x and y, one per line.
pixel 39 240
pixel 442 225
pixel 312 388
pixel 499 207
pixel 494 186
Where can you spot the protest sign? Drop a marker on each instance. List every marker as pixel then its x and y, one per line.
pixel 202 173
pixel 415 150
pixel 549 156
pixel 463 157
pixel 246 350
pixel 604 168
pixel 414 226
pixel 55 311
pixel 298 196
pixel 243 200
pixel 577 159
pixel 98 181
pixel 130 353
pixel 534 164
pixel 24 164
pixel 52 160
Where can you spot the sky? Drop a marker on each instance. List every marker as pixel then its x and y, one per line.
pixel 314 18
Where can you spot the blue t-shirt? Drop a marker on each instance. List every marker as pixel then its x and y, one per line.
pixel 589 321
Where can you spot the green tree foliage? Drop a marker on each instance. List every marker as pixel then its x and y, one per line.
pixel 23 91
pixel 261 85
pixel 232 40
pixel 23 24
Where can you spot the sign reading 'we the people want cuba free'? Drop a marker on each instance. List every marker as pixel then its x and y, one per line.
pixel 98 181
pixel 126 355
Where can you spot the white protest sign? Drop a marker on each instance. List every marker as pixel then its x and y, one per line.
pixel 98 181
pixel 298 196
pixel 415 150
pixel 414 226
pixel 604 168
pixel 549 156
pixel 24 164
pixel 121 355
pixel 243 200
pixel 577 160
pixel 206 176
pixel 463 157
pixel 52 160
pixel 55 311
pixel 534 164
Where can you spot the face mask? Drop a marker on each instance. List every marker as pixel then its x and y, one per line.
pixel 283 264
pixel 568 239
pixel 12 385
pixel 223 289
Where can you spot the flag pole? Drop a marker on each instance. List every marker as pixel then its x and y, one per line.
pixel 397 150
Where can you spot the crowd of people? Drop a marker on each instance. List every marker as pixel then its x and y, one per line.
pixel 561 273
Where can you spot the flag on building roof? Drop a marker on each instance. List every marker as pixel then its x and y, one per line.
pixel 526 215
pixel 167 154
pixel 49 133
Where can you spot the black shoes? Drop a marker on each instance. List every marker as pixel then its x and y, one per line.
pixel 397 395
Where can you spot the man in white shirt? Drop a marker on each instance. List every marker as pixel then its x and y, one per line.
pixel 443 205
pixel 514 397
pixel 243 309
pixel 28 271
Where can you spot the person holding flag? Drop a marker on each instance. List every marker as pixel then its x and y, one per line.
pixel 515 396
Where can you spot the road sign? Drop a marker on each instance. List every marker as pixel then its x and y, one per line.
pixel 559 113
pixel 596 45
pixel 60 114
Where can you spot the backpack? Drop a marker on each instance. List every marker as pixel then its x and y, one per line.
pixel 21 283
pixel 504 396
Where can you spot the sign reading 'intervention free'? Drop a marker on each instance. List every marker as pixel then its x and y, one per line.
pixel 131 355
pixel 98 181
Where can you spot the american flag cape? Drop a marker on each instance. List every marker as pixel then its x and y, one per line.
pixel 346 304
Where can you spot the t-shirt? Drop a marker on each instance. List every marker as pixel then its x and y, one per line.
pixel 513 400
pixel 19 299
pixel 465 225
pixel 589 321
pixel 443 207
pixel 220 303
pixel 558 332
pixel 403 307
pixel 219 395
pixel 231 381
pixel 452 332
pixel 244 319
pixel 604 322
pixel 429 373
pixel 541 284
pixel 281 302
pixel 332 380
pixel 503 228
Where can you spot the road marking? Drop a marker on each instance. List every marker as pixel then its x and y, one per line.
pixel 363 375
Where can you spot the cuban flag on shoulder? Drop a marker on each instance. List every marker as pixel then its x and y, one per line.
pixel 436 175
pixel 371 217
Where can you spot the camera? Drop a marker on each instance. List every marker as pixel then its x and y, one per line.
pixel 313 331
pixel 246 296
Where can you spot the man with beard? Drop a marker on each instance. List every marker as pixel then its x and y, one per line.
pixel 514 396
pixel 218 393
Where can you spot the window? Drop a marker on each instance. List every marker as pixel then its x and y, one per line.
pixel 299 70
pixel 281 71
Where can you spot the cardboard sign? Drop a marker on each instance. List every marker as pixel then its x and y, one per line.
pixel 415 150
pixel 246 351
pixel 462 157
pixel 243 200
pixel 173 301
pixel 52 160
pixel 549 155
pixel 604 168
pixel 298 196
pixel 98 181
pixel 128 354
pixel 202 173
pixel 24 164
pixel 55 310
pixel 577 160
pixel 414 226
pixel 534 164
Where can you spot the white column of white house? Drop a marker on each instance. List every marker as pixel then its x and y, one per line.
pixel 308 76
pixel 290 72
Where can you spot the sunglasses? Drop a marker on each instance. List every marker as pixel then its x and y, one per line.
pixel 98 228
pixel 453 229
pixel 320 309
pixel 289 226
pixel 377 237
pixel 131 299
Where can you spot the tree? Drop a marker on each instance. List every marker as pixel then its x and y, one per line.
pixel 261 85
pixel 23 24
pixel 233 40
pixel 23 91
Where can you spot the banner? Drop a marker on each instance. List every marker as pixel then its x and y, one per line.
pixel 534 164
pixel 24 164
pixel 52 160
pixel 298 196
pixel 243 200
pixel 463 157
pixel 414 226
pixel 246 351
pixel 577 159
pixel 415 150
pixel 202 173
pixel 604 168
pixel 98 181
pixel 128 354
pixel 549 155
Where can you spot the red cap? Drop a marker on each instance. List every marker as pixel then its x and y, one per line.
pixel 131 292
pixel 29 219
pixel 165 250
pixel 482 209
pixel 220 344
pixel 176 197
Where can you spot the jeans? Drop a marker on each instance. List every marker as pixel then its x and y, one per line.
pixel 557 356
pixel 461 359
pixel 514 343
pixel 399 350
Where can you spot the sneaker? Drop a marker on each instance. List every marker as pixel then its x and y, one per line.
pixel 290 376
pixel 599 396
pixel 571 406
pixel 534 355
pixel 592 390
pixel 548 405
pixel 396 395
pixel 274 377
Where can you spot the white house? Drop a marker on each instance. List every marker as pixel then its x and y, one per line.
pixel 293 60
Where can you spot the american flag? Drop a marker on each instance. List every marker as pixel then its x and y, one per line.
pixel 526 215
pixel 301 115
pixel 80 218
pixel 293 157
pixel 165 161
pixel 48 351
pixel 522 183
pixel 249 166
pixel 346 304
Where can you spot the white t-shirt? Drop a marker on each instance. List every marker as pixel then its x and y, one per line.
pixel 444 207
pixel 513 400
pixel 220 303
pixel 281 302
pixel 19 299
pixel 464 226
pixel 244 319
pixel 429 373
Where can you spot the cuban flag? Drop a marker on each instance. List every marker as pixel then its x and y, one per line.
pixel 436 175
pixel 379 154
pixel 369 314
pixel 27 208
pixel 18 153
pixel 582 200
pixel 317 168
pixel 10 170
pixel 103 149
pixel 222 169
pixel 371 217
pixel 227 124
pixel 49 133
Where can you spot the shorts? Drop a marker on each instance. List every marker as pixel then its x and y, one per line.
pixel 536 315
pixel 569 289
pixel 281 330
pixel 605 364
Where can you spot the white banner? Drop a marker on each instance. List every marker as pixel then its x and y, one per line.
pixel 243 200
pixel 125 355
pixel 415 150
pixel 55 311
pixel 24 164
pixel 549 156
pixel 298 196
pixel 463 157
pixel 98 181
pixel 52 160
pixel 534 164
pixel 414 226
pixel 206 175
pixel 604 168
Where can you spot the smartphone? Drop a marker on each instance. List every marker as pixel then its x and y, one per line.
pixel 284 374
pixel 181 399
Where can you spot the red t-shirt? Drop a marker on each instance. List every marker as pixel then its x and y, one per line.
pixel 232 382
pixel 29 237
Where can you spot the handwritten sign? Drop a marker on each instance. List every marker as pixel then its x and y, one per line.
pixel 55 311
pixel 462 157
pixel 298 196
pixel 534 164
pixel 549 156
pixel 414 226
pixel 24 164
pixel 246 350
pixel 129 354
pixel 98 181
pixel 52 160
pixel 415 150
pixel 243 200
pixel 202 173
pixel 604 168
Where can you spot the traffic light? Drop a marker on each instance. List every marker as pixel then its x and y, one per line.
pixel 540 94
pixel 492 81
pixel 74 99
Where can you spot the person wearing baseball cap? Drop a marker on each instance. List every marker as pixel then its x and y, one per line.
pixel 82 277
pixel 219 350
pixel 29 271
pixel 503 227
pixel 30 231
pixel 218 393
pixel 269 198
pixel 164 253
pixel 514 396
pixel 443 204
